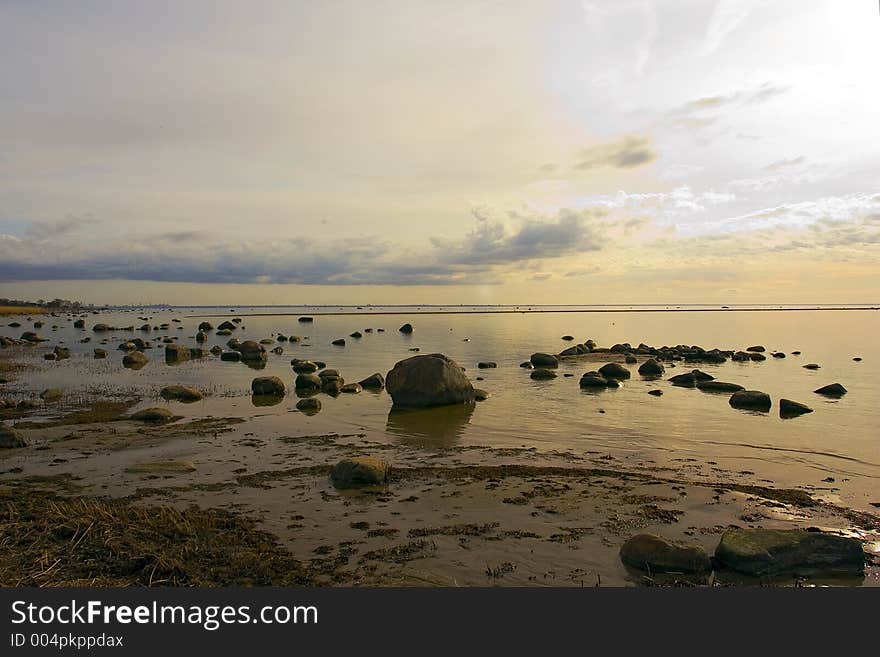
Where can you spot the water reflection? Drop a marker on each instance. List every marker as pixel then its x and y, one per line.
pixel 266 400
pixel 440 426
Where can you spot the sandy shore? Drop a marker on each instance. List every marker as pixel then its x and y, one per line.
pixel 458 516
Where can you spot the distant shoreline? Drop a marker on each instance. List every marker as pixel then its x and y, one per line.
pixel 530 311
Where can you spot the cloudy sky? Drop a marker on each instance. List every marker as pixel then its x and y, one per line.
pixel 601 151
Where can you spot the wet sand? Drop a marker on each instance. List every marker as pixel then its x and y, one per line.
pixel 451 516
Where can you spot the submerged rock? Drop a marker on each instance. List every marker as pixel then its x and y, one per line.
pixel 430 380
pixel 719 386
pixel 659 555
pixel 762 552
pixel 153 416
pixel 593 380
pixel 134 359
pixel 176 353
pixel 360 471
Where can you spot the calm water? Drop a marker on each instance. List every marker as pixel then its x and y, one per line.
pixel 841 439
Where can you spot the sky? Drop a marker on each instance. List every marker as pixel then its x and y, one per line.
pixel 561 151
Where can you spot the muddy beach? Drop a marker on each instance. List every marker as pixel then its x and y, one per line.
pixel 159 504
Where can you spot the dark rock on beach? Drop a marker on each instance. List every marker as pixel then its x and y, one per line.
pixel 153 416
pixel 542 374
pixel 308 406
pixel 10 438
pixel 660 555
pixel 718 386
pixel 614 371
pixel 544 360
pixel 651 368
pixel 762 552
pixel 406 328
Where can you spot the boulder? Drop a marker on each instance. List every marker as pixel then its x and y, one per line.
pixel 360 471
pixel 10 438
pixel 61 352
pixel 80 324
pixel 811 366
pixel 206 326
pixel 763 552
pixel 568 338
pixel 201 336
pixel 100 353
pixel 305 320
pixel 373 382
pixel 656 393
pixel 339 342
pixel 351 388
pixel 758 348
pixel 690 379
pixel 480 394
pixel 153 416
pixel 230 356
pixel 651 368
pixel 406 328
pixel 778 354
pixel 184 394
pixel 544 360
pixel 268 385
pixel 660 555
pixel 486 364
pixel 754 400
pixel 253 352
pixel 789 408
pixel 430 380
pixel 831 390
pixel 30 336
pixel 614 371
pixel 355 334
pixel 227 326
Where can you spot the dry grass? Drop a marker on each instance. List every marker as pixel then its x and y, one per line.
pixel 47 540
pixel 22 310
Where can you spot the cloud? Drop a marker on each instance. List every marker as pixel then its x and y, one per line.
pixel 785 164
pixel 627 153
pixel 494 246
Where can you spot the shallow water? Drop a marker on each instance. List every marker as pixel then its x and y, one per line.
pixel 839 440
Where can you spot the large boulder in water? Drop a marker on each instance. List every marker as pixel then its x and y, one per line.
pixel 430 380
pixel 252 352
pixel 718 386
pixel 134 359
pixel 659 555
pixel 763 552
pixel 754 400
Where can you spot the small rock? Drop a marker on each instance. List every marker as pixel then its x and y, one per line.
pixel 268 385
pixel 832 390
pixel 789 408
pixel 153 416
pixel 309 406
